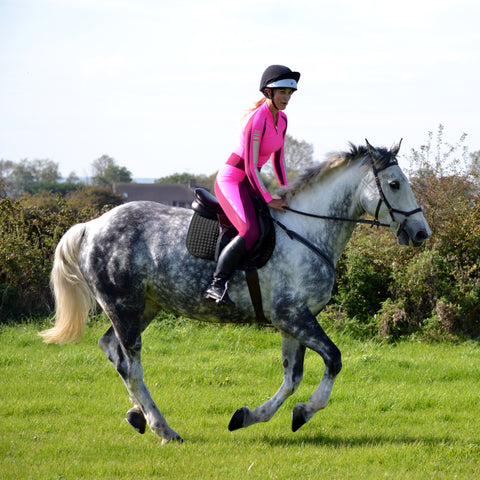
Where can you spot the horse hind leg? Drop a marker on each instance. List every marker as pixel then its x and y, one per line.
pixel 125 356
pixel 293 354
pixel 110 346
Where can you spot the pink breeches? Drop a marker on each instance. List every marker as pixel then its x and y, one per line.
pixel 234 193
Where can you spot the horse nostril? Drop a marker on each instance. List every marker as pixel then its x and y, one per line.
pixel 421 236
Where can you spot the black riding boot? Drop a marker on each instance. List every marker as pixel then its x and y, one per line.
pixel 226 264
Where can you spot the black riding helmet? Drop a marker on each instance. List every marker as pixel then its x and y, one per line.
pixel 278 76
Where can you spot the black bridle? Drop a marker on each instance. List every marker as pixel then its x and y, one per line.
pixel 374 223
pixel 382 198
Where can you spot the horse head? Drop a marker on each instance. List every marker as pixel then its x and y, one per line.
pixel 388 197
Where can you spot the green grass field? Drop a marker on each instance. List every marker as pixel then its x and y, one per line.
pixel 405 411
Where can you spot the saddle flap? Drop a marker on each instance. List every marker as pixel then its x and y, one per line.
pixel 202 236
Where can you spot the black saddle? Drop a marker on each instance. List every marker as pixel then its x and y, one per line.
pixel 210 231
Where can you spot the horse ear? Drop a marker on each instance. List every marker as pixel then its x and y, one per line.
pixel 396 148
pixel 371 150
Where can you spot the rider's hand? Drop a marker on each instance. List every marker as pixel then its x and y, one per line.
pixel 278 204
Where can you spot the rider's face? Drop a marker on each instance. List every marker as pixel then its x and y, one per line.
pixel 281 97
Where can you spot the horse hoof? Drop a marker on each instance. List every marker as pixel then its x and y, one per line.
pixel 237 420
pixel 298 417
pixel 136 420
pixel 176 439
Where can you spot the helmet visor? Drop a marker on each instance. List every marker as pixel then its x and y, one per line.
pixel 283 83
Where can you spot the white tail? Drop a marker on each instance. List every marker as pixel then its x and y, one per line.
pixel 73 298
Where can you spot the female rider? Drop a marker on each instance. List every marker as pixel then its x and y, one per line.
pixel 239 180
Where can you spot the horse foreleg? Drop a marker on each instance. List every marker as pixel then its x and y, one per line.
pixel 293 354
pixel 127 361
pixel 305 328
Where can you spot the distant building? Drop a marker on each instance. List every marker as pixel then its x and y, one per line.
pixel 166 193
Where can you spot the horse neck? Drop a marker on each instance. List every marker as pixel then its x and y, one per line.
pixel 335 195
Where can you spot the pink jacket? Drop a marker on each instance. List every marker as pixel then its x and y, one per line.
pixel 259 141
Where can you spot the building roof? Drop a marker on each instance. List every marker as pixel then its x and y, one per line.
pixel 168 194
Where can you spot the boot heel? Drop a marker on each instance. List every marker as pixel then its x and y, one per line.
pixel 219 296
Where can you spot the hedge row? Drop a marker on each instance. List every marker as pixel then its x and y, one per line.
pixel 381 289
pixel 31 228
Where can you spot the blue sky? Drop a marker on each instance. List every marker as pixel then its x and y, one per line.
pixel 161 86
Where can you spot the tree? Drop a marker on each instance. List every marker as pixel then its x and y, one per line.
pixel 176 178
pixel 100 164
pixel 46 171
pixel 28 175
pixel 298 156
pixel 60 188
pixel 185 178
pixel 106 172
pixel 73 178
pixel 475 167
pixel 6 168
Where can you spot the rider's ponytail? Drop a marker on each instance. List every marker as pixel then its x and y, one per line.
pixel 257 104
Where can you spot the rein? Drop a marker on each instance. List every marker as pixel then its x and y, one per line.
pixel 296 236
pixel 373 223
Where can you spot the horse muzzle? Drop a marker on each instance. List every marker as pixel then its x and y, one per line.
pixel 410 232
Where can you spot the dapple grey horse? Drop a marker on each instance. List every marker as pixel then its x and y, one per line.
pixel 133 262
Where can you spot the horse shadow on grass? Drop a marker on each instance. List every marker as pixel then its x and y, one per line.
pixel 361 440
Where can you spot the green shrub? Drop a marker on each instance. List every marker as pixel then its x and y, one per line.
pixel 363 275
pixel 28 238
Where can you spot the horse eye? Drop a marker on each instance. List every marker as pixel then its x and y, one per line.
pixel 394 185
